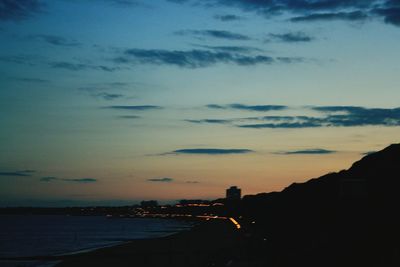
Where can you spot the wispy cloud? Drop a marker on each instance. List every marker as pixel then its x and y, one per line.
pixel 349 16
pixel 72 180
pixel 136 108
pixel 209 151
pixel 30 80
pixel 108 96
pixel 231 49
pixel 228 17
pixel 161 180
pixel 193 58
pixel 314 151
pixel 128 3
pixel 360 116
pixel 219 34
pixel 48 179
pixel 214 121
pixel 28 60
pixel 17 10
pixel 390 13
pixel 54 40
pixel 290 37
pixel 312 11
pixel 80 66
pixel 80 180
pixel 248 107
pixel 327 116
pixel 22 173
pixel 334 116
pixel 287 125
pixel 130 117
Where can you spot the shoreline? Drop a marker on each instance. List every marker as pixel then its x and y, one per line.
pixel 208 241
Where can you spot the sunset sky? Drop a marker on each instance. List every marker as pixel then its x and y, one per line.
pixel 110 102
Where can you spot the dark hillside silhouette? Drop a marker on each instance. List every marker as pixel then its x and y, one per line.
pixel 349 218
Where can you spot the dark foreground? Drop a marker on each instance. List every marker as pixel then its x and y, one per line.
pixel 212 243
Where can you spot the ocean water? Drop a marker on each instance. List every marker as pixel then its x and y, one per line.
pixel 42 235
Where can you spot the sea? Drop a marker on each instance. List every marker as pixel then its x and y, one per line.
pixel 46 235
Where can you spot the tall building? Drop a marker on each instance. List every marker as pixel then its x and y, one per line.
pixel 233 193
pixel 149 203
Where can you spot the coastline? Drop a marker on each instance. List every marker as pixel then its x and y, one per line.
pixel 209 243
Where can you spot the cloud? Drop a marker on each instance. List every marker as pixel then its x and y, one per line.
pixel 31 80
pixel 257 107
pixel 349 16
pixel 210 151
pixel 28 60
pixel 191 58
pixel 219 34
pixel 73 180
pixel 227 17
pixel 48 179
pixel 98 87
pixel 161 180
pixel 291 37
pixel 268 7
pixel 315 151
pixel 136 108
pixel 126 3
pixel 23 173
pixel 54 40
pixel 248 107
pixel 232 49
pixel 80 180
pixel 178 1
pixel 80 66
pixel 334 116
pixel 131 117
pixel 108 96
pixel 213 121
pixel 293 125
pixel 318 10
pixel 215 106
pixel 391 15
pixel 17 10
pixel 359 116
pixel 291 60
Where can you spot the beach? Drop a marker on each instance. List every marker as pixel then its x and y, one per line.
pixel 211 243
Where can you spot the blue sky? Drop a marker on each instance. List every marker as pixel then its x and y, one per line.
pixel 114 101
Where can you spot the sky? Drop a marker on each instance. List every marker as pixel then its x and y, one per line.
pixel 109 102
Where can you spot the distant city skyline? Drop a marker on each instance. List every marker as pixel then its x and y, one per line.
pixel 113 102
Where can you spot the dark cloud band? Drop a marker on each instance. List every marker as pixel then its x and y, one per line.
pixel 210 151
pixel 23 173
pixel 161 180
pixel 248 107
pixel 197 58
pixel 73 180
pixel 315 151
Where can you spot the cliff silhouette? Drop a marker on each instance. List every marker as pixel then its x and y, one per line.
pixel 348 218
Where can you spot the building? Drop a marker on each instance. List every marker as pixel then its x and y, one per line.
pixel 149 204
pixel 233 193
